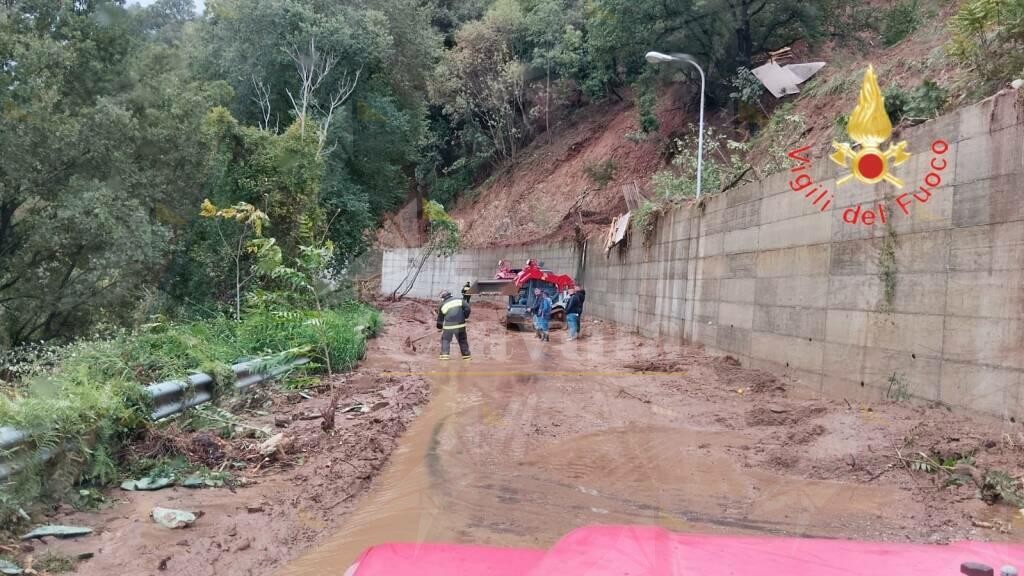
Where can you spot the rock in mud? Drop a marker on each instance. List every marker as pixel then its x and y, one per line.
pixel 277 443
pixel 58 531
pixel 146 484
pixel 170 518
pixel 7 567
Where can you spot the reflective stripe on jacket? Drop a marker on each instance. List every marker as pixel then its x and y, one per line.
pixel 453 313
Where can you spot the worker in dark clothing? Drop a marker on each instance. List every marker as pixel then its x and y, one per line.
pixel 572 313
pixel 465 292
pixel 452 315
pixel 583 298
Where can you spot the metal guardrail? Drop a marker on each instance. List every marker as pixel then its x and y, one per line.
pixel 169 398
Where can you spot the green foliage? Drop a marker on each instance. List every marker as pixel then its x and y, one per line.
pixel 91 401
pixel 922 103
pixel 900 20
pixel 645 219
pixel 443 231
pixel 748 89
pixel 99 152
pixel 887 270
pixel 88 499
pixel 988 37
pixel 845 20
pixel 646 102
pixel 482 79
pixel 782 133
pixel 1000 486
pixel 601 172
pixel 724 164
pixel 839 126
pixel 937 462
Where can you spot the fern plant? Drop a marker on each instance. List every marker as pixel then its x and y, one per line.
pixel 988 36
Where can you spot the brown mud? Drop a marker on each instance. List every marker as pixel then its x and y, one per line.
pixel 530 440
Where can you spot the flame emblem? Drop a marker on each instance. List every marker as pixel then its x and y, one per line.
pixel 869 126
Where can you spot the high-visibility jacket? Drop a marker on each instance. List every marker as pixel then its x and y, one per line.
pixel 452 313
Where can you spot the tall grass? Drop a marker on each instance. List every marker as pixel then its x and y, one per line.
pixel 91 400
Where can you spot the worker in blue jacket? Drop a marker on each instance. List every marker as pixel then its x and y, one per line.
pixel 542 314
pixel 452 315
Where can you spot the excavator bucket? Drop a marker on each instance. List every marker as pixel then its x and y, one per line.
pixel 494 287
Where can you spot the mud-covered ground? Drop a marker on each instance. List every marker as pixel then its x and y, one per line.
pixel 274 507
pixel 531 439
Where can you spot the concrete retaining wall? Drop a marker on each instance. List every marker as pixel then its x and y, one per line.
pixel 452 272
pixel 763 274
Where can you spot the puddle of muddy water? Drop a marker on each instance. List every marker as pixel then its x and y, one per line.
pixel 469 471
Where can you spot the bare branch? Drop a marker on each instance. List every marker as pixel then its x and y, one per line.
pixel 313 68
pixel 262 98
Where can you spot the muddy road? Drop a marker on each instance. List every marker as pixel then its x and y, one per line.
pixel 531 439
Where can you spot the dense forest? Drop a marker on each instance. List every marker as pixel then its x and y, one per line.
pixel 156 159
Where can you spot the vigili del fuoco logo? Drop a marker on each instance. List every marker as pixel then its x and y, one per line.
pixel 869 127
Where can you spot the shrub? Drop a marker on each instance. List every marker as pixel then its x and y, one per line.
pixel 988 36
pixel 899 21
pixel 747 88
pixel 645 219
pixel 601 172
pixel 839 126
pixel 784 130
pixel 91 401
pixel 724 162
pixel 922 103
pixel 646 102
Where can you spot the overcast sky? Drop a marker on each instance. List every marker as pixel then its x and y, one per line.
pixel 199 3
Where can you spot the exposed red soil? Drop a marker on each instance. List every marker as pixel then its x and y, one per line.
pixel 532 199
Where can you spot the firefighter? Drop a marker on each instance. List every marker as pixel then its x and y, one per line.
pixel 465 292
pixel 452 315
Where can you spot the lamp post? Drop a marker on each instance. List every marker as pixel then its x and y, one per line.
pixel 659 58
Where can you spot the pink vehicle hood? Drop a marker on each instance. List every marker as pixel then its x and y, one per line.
pixel 651 551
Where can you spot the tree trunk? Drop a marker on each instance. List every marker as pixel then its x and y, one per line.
pixel 547 106
pixel 238 290
pixel 744 38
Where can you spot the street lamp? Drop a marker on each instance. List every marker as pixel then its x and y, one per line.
pixel 659 58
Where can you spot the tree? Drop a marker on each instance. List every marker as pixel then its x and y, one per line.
pixel 483 81
pixel 250 222
pixel 375 130
pixel 93 158
pixel 722 34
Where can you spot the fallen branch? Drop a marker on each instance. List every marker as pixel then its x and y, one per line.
pixel 736 180
pixel 328 413
pixel 238 424
pixel 906 466
pixel 622 392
